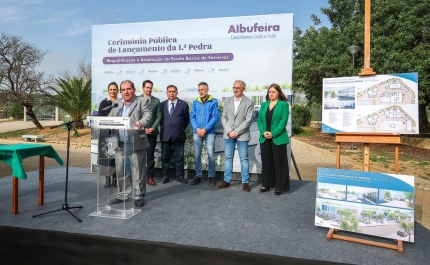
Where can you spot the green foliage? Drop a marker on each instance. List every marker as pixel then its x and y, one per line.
pixel 64 127
pixel 408 227
pixel 400 43
pixel 301 116
pixel 73 97
pixel 387 195
pixel 16 110
pixel 409 196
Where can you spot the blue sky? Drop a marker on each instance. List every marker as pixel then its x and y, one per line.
pixel 63 27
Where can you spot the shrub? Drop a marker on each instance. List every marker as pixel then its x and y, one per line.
pixel 16 110
pixel 301 116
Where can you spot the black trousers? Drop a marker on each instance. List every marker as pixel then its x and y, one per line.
pixel 274 161
pixel 167 148
pixel 150 159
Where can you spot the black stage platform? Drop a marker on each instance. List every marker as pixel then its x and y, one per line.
pixel 180 224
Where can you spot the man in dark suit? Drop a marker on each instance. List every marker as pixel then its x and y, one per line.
pixel 130 161
pixel 152 130
pixel 175 117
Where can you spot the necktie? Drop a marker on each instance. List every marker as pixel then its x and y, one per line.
pixel 171 109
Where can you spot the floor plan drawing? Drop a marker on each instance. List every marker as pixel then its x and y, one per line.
pixel 392 119
pixel 389 92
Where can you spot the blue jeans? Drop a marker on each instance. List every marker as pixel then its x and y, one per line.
pixel 209 140
pixel 242 148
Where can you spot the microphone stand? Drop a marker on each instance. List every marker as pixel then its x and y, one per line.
pixel 66 206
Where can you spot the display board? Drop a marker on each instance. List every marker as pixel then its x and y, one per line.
pixel 380 103
pixel 370 203
pixel 255 49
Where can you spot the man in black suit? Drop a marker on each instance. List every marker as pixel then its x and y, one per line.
pixel 175 117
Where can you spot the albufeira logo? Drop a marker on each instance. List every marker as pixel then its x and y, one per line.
pixel 111 147
pixel 256 28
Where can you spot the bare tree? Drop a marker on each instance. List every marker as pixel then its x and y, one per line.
pixel 82 71
pixel 19 78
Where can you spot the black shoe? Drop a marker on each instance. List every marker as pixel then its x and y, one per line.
pixel 212 181
pixel 196 181
pixel 182 180
pixel 277 192
pixel 107 183
pixel 264 190
pixel 138 203
pixel 117 201
pixel 165 180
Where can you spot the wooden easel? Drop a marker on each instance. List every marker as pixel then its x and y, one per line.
pixel 399 247
pixel 367 139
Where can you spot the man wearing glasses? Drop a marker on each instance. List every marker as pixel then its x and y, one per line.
pixel 131 160
pixel 236 119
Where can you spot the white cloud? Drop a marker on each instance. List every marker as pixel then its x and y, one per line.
pixel 75 27
pixel 10 14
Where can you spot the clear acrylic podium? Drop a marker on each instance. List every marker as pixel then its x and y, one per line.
pixel 108 131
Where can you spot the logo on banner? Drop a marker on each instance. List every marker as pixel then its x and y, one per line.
pixel 199 70
pixel 141 72
pixel 152 71
pixel 255 28
pixel 212 70
pixel 130 72
pixel 188 71
pixel 119 72
pixel 175 71
pixel 111 147
pixel 225 70
pixel 108 72
pixel 164 72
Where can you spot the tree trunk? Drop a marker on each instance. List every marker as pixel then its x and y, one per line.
pixel 32 115
pixel 79 124
pixel 423 120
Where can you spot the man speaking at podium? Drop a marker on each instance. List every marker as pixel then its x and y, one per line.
pixel 130 161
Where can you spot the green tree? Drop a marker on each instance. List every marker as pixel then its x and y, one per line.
pixel 400 38
pixel 74 97
pixel 392 216
pixel 387 195
pixel 396 215
pixel 409 196
pixel 363 214
pixel 380 217
pixel 408 227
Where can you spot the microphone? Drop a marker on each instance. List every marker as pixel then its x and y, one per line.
pixel 108 108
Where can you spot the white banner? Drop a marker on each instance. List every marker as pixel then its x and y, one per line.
pixel 256 49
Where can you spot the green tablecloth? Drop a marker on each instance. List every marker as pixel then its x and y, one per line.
pixel 14 154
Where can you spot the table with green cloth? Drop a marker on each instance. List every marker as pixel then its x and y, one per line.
pixel 14 154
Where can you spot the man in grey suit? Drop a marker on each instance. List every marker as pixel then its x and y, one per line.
pixel 236 119
pixel 152 130
pixel 130 161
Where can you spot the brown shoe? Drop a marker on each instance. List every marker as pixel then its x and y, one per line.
pixel 246 187
pixel 150 181
pixel 223 185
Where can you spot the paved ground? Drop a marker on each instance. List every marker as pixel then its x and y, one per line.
pixel 307 157
pixel 10 126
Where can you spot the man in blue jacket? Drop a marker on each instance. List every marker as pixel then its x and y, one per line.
pixel 204 116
